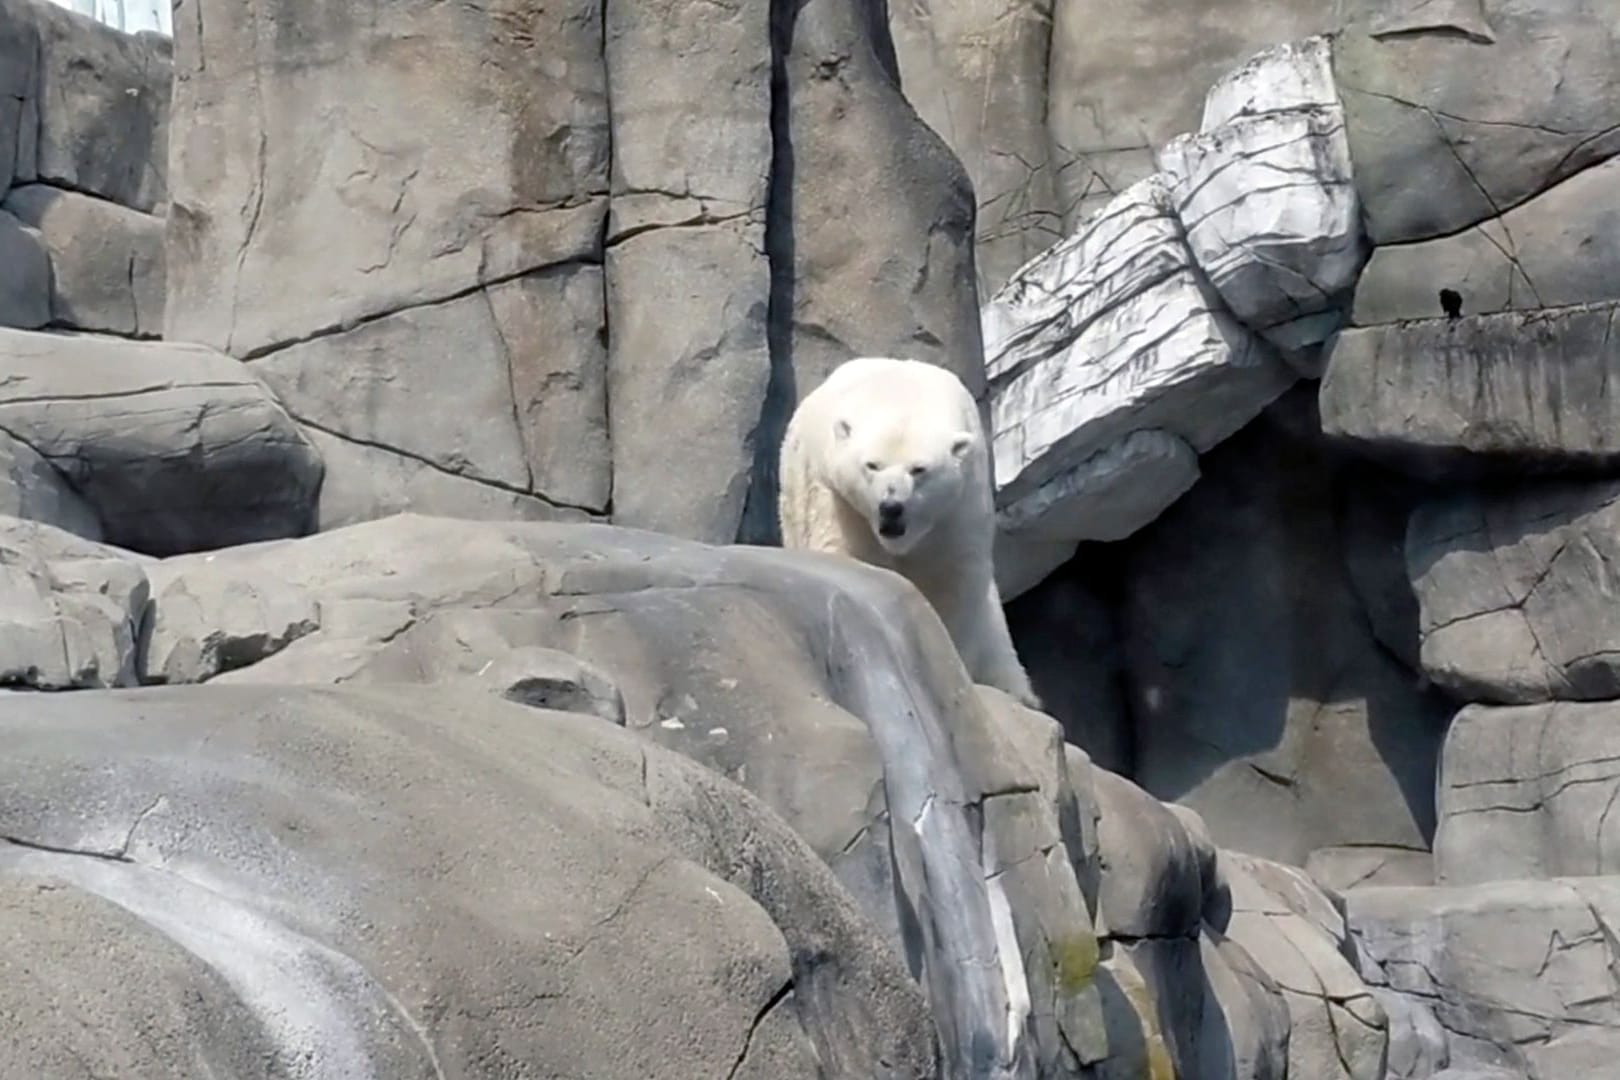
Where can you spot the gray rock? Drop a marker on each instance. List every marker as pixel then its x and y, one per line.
pixel 102 100
pixel 540 396
pixel 106 260
pixel 1518 975
pixel 1375 508
pixel 855 727
pixel 688 279
pixel 977 74
pixel 1350 866
pixel 1152 868
pixel 1123 85
pixel 1067 635
pixel 70 610
pixel 1529 98
pixel 19 101
pixel 687 343
pixel 1527 792
pixel 456 153
pixel 1258 694
pixel 1515 391
pixel 1562 247
pixel 1513 591
pixel 64 987
pixel 35 490
pixel 175 446
pixel 873 216
pixel 1337 1030
pixel 358 867
pixel 25 275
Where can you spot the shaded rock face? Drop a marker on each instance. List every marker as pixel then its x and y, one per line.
pixel 285 864
pixel 1258 692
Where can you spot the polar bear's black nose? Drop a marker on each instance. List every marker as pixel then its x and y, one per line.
pixel 891 517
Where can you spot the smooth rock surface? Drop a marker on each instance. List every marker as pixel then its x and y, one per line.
pixel 1562 247
pixel 1460 110
pixel 1514 592
pixel 25 275
pixel 1258 693
pixel 1513 392
pixel 106 261
pixel 828 688
pixel 175 446
pixel 356 866
pixel 33 489
pixel 70 610
pixel 1528 792
pixel 1516 976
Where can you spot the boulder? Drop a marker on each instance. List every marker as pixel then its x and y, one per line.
pixel 1124 84
pixel 1513 592
pixel 1516 976
pixel 1337 1030
pixel 1527 792
pixel 1560 248
pixel 70 610
pixel 1353 865
pixel 1259 695
pixel 19 100
pixel 176 447
pixel 106 261
pixel 977 74
pixel 1111 334
pixel 687 275
pixel 828 688
pixel 100 101
pixel 1518 391
pixel 1530 96
pixel 35 490
pixel 25 275
pixel 1266 196
pixel 350 873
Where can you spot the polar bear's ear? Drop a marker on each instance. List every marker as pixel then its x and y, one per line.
pixel 841 430
pixel 962 444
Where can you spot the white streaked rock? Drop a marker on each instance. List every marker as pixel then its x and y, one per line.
pixel 1294 75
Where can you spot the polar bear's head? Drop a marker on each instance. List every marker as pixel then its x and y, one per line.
pixel 903 472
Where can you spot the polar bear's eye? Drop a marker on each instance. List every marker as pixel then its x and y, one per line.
pixel 872 466
pixel 918 470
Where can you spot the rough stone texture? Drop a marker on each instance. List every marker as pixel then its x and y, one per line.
pixel 175 446
pixel 1517 391
pixel 1513 976
pixel 1441 138
pixel 1258 694
pixel 1527 792
pixel 1067 634
pixel 1114 332
pixel 357 868
pixel 106 261
pixel 66 958
pixel 1375 507
pixel 19 100
pixel 687 274
pixel 35 490
pixel 1265 194
pixel 1337 1031
pixel 25 275
pixel 70 610
pixel 1560 248
pixel 100 100
pixel 540 400
pixel 977 74
pixel 1152 869
pixel 1128 76
pixel 1514 591
pixel 758 663
pixel 1341 868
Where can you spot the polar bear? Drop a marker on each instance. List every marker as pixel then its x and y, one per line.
pixel 886 462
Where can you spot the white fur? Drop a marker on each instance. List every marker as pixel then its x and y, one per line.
pixel 908 431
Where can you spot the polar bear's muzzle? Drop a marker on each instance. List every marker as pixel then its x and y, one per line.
pixel 891 519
